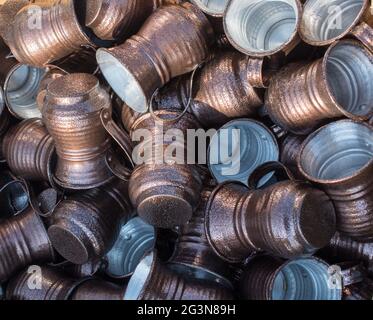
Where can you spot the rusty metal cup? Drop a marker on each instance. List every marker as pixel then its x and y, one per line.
pixel 238 148
pixel 47 31
pixel 269 278
pixel 173 41
pixel 287 219
pixel 339 159
pixel 193 254
pixel 71 114
pixel 263 28
pixel 223 89
pixel 324 22
pixel 23 241
pixel 136 239
pixel 29 149
pixel 85 225
pixel 154 281
pixel 303 96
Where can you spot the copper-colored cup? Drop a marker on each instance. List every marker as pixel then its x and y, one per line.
pixel 303 96
pixel 287 219
pixel 85 225
pixel 222 90
pixel 173 41
pixel 71 114
pixel 269 278
pixel 164 194
pixel 339 159
pixel 154 281
pixel 24 241
pixel 59 34
pixel 95 289
pixel 29 149
pixel 290 147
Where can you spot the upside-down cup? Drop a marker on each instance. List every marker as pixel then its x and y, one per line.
pixel 29 149
pixel 57 34
pixel 71 113
pixel 85 225
pixel 303 96
pixel 19 84
pixel 136 239
pixel 263 28
pixel 222 90
pixel 287 219
pixel 238 148
pixel 41 283
pixel 173 41
pixel 23 241
pixel 324 22
pixel 153 280
pixel 164 188
pixel 193 254
pixel 270 278
pixel 339 159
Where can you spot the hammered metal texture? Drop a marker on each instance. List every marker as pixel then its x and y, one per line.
pixel 94 289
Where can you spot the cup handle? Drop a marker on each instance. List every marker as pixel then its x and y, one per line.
pixel 264 169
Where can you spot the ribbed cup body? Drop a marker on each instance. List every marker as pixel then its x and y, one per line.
pixel 160 283
pixel 173 41
pixel 94 289
pixel 135 240
pixel 165 194
pixel 221 90
pixel 23 241
pixel 287 219
pixel 302 96
pixel 84 227
pixel 342 248
pixel 339 159
pixel 290 147
pixel 269 278
pixel 192 248
pixel 71 114
pixel 58 34
pixel 28 149
pixel 117 19
pixel 54 285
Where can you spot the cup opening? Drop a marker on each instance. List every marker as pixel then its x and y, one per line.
pixel 261 27
pixel 349 73
pixel 327 20
pixel 212 7
pixel 337 151
pixel 238 148
pixel 21 89
pixel 122 81
pixel 304 279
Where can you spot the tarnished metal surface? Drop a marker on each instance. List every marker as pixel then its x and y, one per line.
pixel 135 240
pixel 303 96
pixel 164 194
pixel 152 280
pixel 269 278
pixel 28 149
pixel 193 253
pixel 343 248
pixel 287 219
pixel 8 10
pixel 173 41
pixel 222 90
pixel 359 291
pixel 55 285
pixel 71 114
pixel 60 34
pixel 339 159
pixel 263 28
pixel 23 241
pixel 84 226
pixel 325 21
pixel 290 147
pixel 94 289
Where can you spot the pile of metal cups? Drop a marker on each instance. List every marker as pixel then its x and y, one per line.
pixel 186 150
